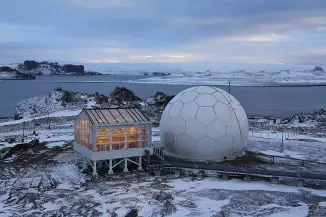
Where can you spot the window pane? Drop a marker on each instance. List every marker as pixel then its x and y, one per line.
pixel 91 116
pixel 108 116
pixel 126 115
pixel 102 139
pixel 134 137
pixel 141 115
pixel 117 116
pixel 97 118
pixel 118 139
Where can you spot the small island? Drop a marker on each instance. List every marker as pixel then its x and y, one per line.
pixel 31 68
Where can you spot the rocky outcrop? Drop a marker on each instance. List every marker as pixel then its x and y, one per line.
pixel 74 69
pixel 132 213
pixel 56 100
pixel 162 196
pixel 32 67
pixel 7 69
pixel 29 65
pixel 161 99
pixel 122 94
pixel 59 100
pixel 34 145
pixel 318 69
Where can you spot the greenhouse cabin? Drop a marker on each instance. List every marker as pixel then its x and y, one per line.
pixel 112 135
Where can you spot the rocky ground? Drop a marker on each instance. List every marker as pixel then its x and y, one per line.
pixel 39 177
pixel 50 184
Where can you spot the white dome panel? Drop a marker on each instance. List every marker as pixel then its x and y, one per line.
pixel 224 113
pixel 175 109
pixel 205 100
pixel 216 129
pixel 189 111
pixel 189 96
pixel 206 115
pixel 195 129
pixel 204 123
pixel 204 89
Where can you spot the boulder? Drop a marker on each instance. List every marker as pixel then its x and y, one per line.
pixel 23 147
pixel 123 94
pixel 160 74
pixel 161 99
pixel 163 196
pixel 132 213
pixel 11 140
pixel 168 208
pixel 318 69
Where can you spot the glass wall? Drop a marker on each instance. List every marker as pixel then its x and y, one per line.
pixel 102 139
pixel 122 137
pixel 118 138
pixel 83 131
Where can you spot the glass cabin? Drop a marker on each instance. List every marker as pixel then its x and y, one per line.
pixel 108 133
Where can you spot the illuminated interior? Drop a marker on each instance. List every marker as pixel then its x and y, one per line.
pixel 110 137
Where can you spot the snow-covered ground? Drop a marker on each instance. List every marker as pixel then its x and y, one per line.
pixel 59 189
pixel 64 113
pixel 54 186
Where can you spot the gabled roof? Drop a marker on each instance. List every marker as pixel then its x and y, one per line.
pixel 115 115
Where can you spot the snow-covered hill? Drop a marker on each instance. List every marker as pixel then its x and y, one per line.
pixel 56 100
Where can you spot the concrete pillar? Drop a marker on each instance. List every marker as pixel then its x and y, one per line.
pixel 274 180
pixel 85 164
pixel 225 176
pixel 247 179
pixel 110 172
pixel 177 172
pixel 157 172
pixel 94 168
pixel 201 174
pixel 76 157
pixel 125 169
pixel 300 183
pixel 140 168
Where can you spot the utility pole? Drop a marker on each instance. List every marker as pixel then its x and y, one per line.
pixel 230 87
pixel 34 131
pixel 49 120
pixel 23 139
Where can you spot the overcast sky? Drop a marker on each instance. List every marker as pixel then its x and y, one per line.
pixel 92 31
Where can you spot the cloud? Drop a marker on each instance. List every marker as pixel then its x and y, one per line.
pixel 163 31
pixel 99 4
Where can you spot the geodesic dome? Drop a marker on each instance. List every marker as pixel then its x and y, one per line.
pixel 204 123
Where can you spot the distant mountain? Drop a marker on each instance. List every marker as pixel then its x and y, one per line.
pixel 30 68
pixel 318 69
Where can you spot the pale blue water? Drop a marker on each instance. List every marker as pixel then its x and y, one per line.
pixel 270 101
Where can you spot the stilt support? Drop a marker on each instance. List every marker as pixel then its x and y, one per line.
pixel 125 169
pixel 110 172
pixel 300 183
pixel 275 180
pixel 94 168
pixel 247 179
pixel 140 168
pixel 157 172
pixel 85 163
pixel 225 177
